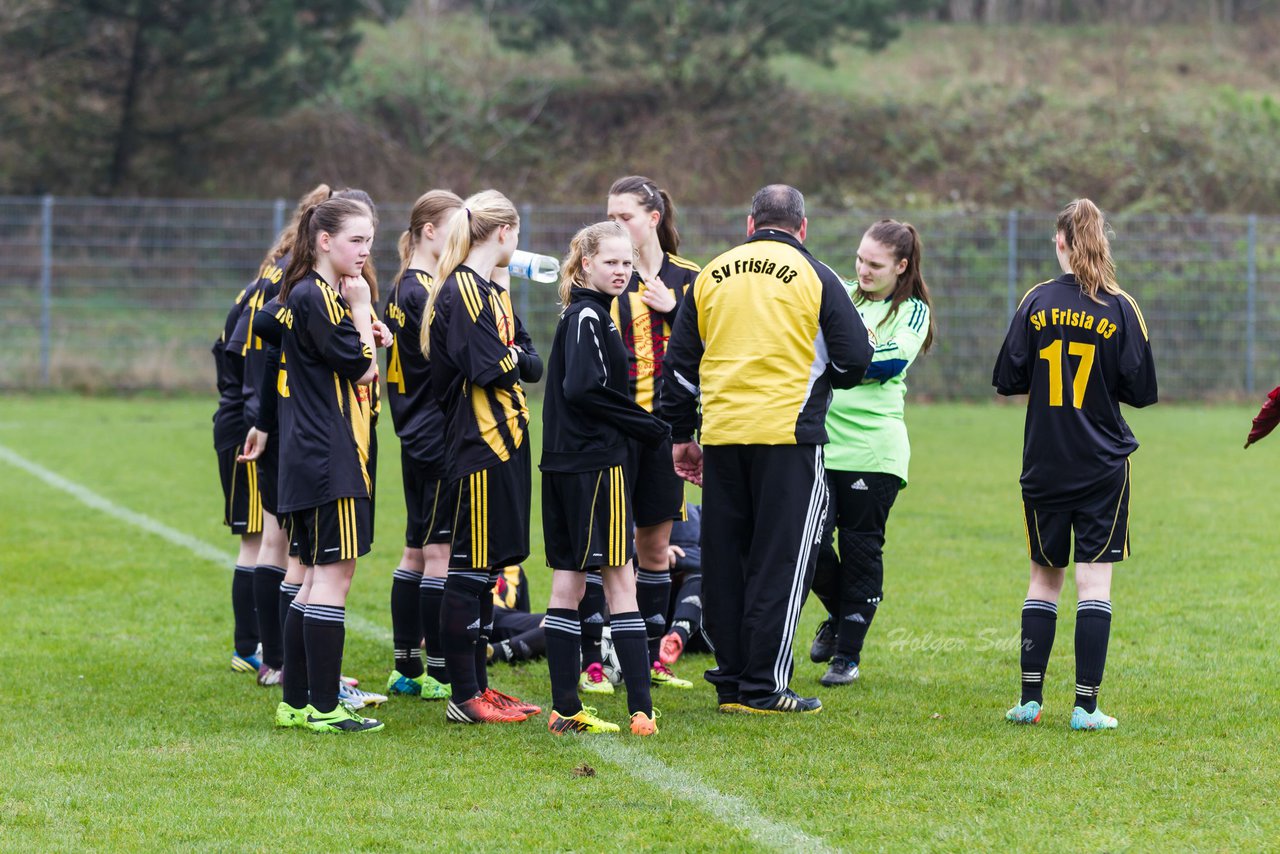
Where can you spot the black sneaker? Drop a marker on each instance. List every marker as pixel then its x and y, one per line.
pixel 842 671
pixel 779 704
pixel 824 642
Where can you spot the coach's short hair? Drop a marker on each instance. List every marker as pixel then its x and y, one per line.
pixel 778 206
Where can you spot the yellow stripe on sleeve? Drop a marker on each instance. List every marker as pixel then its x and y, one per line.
pixel 1141 320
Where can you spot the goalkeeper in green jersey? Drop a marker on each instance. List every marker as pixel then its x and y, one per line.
pixel 867 456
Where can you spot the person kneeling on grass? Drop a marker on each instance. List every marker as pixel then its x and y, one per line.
pixel 586 506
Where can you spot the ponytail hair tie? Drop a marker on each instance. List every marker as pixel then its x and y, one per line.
pixel 468 210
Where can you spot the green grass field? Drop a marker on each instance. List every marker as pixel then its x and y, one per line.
pixel 126 731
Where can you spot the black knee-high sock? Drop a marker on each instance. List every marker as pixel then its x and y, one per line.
pixel 1093 630
pixel 594 612
pixel 653 598
pixel 242 609
pixel 288 592
pixel 687 618
pixel 406 622
pixel 563 642
pixel 430 598
pixel 486 632
pixel 1039 623
pixel 294 676
pixel 266 601
pixel 324 630
pixel 633 656
pixel 460 629
pixel 851 632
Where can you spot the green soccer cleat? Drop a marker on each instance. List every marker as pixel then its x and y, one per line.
pixel 288 716
pixel 662 676
pixel 1080 719
pixel 583 721
pixel 593 681
pixel 342 719
pixel 416 686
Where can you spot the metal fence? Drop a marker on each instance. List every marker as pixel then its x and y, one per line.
pixel 104 295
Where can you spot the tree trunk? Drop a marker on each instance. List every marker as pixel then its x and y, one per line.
pixel 127 135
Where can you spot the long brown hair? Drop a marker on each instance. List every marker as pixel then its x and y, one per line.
pixel 369 272
pixel 652 198
pixel 482 215
pixel 330 216
pixel 430 207
pixel 904 240
pixel 284 240
pixel 586 244
pixel 1084 229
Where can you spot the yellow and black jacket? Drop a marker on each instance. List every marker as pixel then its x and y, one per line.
pixel 229 420
pixel 645 332
pixel 763 336
pixel 475 375
pixel 417 416
pixel 325 419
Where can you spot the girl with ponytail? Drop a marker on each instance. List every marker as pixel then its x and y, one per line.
pixel 589 420
pixel 645 314
pixel 326 485
pixel 255 588
pixel 1077 347
pixel 417 585
pixel 868 455
pixel 479 354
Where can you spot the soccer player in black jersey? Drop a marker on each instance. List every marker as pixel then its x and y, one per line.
pixel 325 426
pixel 273 554
pixel 242 512
pixel 588 419
pixel 479 353
pixel 417 586
pixel 645 313
pixel 1078 347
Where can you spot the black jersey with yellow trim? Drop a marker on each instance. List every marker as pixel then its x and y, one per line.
pixel 417 415
pixel 268 324
pixel 325 419
pixel 251 345
pixel 229 418
pixel 587 416
pixel 1077 360
pixel 475 373
pixel 645 332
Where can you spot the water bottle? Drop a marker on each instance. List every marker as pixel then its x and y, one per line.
pixel 534 267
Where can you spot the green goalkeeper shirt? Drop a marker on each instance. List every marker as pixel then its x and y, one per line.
pixel 865 423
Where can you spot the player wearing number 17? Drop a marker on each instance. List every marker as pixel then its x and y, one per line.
pixel 1078 347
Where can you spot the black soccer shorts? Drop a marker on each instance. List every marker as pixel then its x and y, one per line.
pixel 1100 525
pixel 337 531
pixel 428 502
pixel 269 475
pixel 491 515
pixel 586 519
pixel 657 492
pixel 241 502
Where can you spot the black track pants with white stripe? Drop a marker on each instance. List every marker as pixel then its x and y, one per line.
pixel 763 511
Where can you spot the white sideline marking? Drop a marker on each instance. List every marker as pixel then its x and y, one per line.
pixel 198 547
pixel 730 809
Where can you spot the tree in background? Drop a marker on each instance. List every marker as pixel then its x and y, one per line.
pixel 100 92
pixel 701 51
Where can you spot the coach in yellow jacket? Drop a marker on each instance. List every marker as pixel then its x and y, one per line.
pixel 765 333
